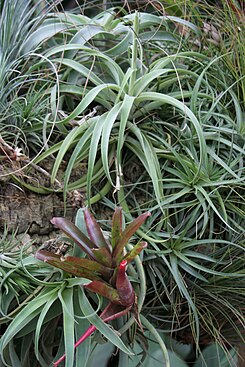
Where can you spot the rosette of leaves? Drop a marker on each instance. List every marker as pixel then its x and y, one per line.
pixel 61 309
pixel 104 265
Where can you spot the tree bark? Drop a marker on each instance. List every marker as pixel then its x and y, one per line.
pixel 27 211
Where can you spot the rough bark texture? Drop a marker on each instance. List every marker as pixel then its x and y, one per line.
pixel 29 211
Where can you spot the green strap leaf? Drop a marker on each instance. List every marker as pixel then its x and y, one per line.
pixel 103 256
pixel 66 299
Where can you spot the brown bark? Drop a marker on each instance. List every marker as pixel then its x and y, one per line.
pixel 28 211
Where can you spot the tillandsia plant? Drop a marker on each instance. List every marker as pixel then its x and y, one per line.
pixel 105 264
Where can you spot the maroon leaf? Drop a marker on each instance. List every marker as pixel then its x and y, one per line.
pixel 135 251
pixel 127 234
pixel 65 264
pixel 116 228
pixel 75 234
pixel 124 287
pixel 94 231
pixel 90 265
pixel 104 290
pixel 103 256
pixel 113 311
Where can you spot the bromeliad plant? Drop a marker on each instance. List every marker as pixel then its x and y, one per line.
pixel 105 264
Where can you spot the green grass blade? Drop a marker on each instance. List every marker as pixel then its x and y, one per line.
pixel 80 145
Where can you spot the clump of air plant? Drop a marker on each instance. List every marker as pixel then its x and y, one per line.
pixel 105 264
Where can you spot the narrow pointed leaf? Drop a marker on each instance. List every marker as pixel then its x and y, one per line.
pixel 75 234
pixel 64 264
pixel 94 231
pixel 104 290
pixel 127 234
pixel 135 251
pixel 116 228
pixel 124 287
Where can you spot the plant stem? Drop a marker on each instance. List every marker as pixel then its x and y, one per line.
pixel 107 315
pixel 87 333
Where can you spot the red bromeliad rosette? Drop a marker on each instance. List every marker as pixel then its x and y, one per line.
pixel 105 264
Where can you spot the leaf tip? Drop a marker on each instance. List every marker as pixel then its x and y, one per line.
pixel 123 264
pixel 53 220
